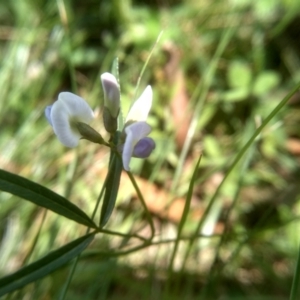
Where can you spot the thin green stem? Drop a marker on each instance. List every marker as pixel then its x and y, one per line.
pixel 111 232
pixel 148 215
pixel 148 243
pixel 146 64
pixel 184 214
pixel 64 18
pixel 29 254
pixel 181 224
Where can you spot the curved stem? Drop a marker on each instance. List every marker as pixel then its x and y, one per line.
pixel 148 215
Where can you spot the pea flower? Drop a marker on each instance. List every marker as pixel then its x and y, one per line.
pixel 137 144
pixel 69 116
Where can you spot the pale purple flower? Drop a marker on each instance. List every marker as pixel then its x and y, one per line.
pixel 137 143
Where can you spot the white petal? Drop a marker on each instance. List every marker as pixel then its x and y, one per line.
pixel 139 130
pixel 69 107
pixel 127 151
pixel 111 93
pixel 134 133
pixel 77 107
pixel 141 107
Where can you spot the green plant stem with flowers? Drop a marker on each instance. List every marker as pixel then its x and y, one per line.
pixel 70 116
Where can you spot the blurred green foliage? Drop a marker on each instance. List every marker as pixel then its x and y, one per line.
pixel 224 66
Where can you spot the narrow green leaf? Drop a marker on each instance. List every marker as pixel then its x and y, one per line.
pixel 45 265
pixel 111 188
pixel 188 199
pixel 39 195
pixel 185 213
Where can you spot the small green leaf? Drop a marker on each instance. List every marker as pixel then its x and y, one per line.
pixel 239 75
pixel 45 265
pixel 39 195
pixel 235 95
pixel 265 82
pixel 111 188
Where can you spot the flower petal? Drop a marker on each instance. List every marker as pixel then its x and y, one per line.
pixel 111 93
pixel 141 107
pixel 134 133
pixel 67 109
pixel 144 147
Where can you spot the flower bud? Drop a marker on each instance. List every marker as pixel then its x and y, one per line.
pixel 111 94
pixel 89 133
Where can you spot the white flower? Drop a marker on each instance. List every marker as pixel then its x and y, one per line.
pixel 65 113
pixel 136 129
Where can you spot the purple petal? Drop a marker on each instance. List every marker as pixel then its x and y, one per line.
pixel 144 147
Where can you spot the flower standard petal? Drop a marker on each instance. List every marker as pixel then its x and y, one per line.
pixel 134 133
pixel 68 109
pixel 141 107
pixel 77 107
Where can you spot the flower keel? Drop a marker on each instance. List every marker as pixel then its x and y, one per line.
pixel 144 147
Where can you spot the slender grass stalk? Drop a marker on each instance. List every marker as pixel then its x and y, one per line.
pixel 140 195
pixel 36 238
pixel 181 225
pixel 146 64
pixel 64 18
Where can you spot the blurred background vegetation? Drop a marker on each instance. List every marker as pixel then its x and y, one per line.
pixel 218 70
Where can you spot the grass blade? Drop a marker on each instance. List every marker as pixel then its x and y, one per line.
pixel 181 225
